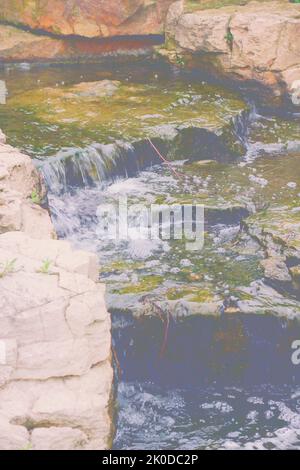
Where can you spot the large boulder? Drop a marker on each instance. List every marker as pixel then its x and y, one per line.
pixel 18 45
pixel 56 373
pixel 20 190
pixel 257 41
pixel 88 18
pixel 55 341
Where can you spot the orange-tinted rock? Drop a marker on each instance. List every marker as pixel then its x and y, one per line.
pixel 88 18
pixel 18 46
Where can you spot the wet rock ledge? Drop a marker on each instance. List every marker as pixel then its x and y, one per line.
pixel 55 341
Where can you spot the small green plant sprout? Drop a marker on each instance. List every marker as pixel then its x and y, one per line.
pixel 35 197
pixel 179 60
pixel 229 38
pixel 45 268
pixel 7 268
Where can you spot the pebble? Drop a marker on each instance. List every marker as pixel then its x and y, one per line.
pixel 185 262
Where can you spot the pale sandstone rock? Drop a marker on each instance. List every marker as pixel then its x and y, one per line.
pixel 13 437
pixel 74 402
pixel 17 213
pixel 36 221
pixel 10 211
pixel 53 332
pixel 276 269
pixel 265 45
pixel 56 374
pixel 18 179
pixel 17 171
pixel 62 438
pixel 2 138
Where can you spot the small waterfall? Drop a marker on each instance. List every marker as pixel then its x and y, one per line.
pixel 242 123
pixel 97 163
pixel 102 163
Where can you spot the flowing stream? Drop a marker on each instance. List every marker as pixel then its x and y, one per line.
pixel 202 339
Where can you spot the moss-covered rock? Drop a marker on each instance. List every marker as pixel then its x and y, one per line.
pixel 192 116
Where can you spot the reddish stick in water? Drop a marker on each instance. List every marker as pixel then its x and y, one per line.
pixel 164 159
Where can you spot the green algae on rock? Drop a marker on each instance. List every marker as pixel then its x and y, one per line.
pixel 108 111
pixel 240 197
pixel 228 274
pixel 274 130
pixel 277 226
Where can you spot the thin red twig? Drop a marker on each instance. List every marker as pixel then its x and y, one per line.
pixel 164 159
pixel 119 369
pixel 166 335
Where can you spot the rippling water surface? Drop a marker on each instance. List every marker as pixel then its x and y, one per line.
pixel 185 379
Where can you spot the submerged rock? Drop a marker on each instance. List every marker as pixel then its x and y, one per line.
pixel 184 120
pixel 102 89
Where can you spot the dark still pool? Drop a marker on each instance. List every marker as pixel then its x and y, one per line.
pixel 207 383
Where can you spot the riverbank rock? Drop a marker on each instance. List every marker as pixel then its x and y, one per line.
pixel 20 190
pixel 55 342
pixel 256 41
pixel 18 45
pixel 88 18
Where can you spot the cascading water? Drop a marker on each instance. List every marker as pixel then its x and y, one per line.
pixel 97 163
pixel 203 363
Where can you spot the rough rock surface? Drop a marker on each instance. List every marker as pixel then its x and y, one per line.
pixel 55 343
pixel 88 18
pixel 278 232
pixel 257 41
pixel 17 45
pixel 18 181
